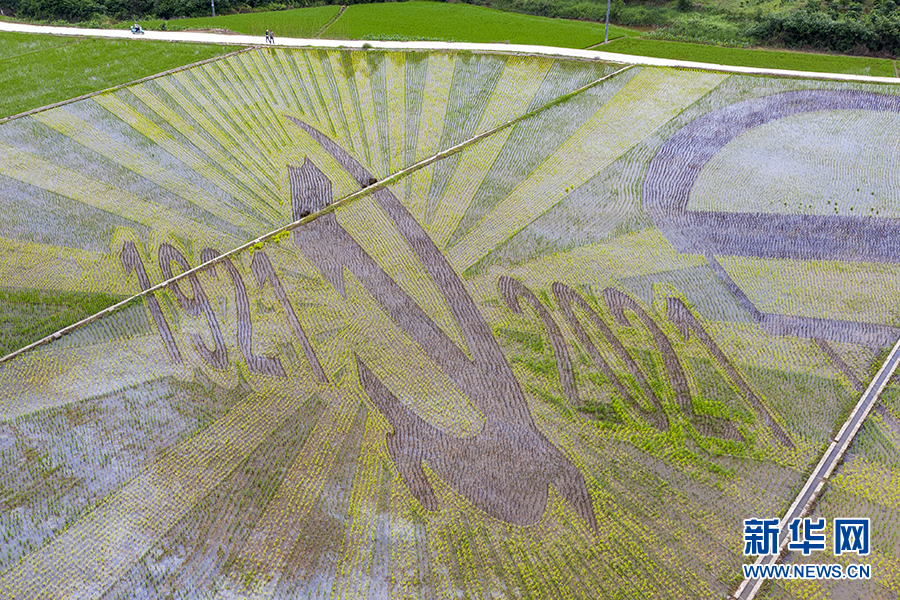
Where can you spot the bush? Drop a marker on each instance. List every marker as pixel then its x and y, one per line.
pixel 818 30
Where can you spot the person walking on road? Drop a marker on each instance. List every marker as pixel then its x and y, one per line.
pixel 267 35
pixel 271 37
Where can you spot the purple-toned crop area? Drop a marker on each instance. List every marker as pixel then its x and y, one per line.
pixel 677 164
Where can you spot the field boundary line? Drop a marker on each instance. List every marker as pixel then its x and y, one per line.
pixel 812 489
pixel 570 53
pixel 123 85
pixel 325 27
pixel 77 40
pixel 346 200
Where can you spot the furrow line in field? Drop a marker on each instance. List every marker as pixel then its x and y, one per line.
pixel 474 80
pixel 101 143
pixel 312 109
pixel 469 523
pixel 71 269
pixel 320 70
pixel 274 64
pixel 439 555
pixel 252 88
pixel 367 115
pixel 340 96
pixel 40 173
pixel 465 558
pixel 382 564
pixel 94 552
pixel 606 136
pixel 414 84
pixel 220 528
pixel 263 63
pixel 325 104
pixel 197 85
pixel 348 98
pixel 250 76
pixel 378 82
pixel 208 82
pixel 519 82
pixel 270 543
pixel 356 552
pixel 244 81
pixel 285 76
pixel 439 77
pixel 253 180
pixel 527 147
pixel 231 141
pixel 404 562
pixel 185 154
pixel 316 541
pixel 395 91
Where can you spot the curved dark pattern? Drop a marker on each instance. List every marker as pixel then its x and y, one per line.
pixel 675 169
pixel 512 291
pixel 269 365
pixel 568 298
pixel 507 468
pixel 195 306
pixel 618 303
pixel 687 324
pixel 131 261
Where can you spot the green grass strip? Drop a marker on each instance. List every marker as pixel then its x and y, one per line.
pixel 59 68
pixel 744 57
pixel 463 23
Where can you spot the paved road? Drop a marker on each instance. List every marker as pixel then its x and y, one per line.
pixel 813 486
pixel 248 40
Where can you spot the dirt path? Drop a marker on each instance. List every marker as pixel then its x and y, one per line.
pixel 325 27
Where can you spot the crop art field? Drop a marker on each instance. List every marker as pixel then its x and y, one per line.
pixel 566 360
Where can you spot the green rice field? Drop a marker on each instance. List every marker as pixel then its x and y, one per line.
pixel 300 22
pixel 408 21
pixel 467 325
pixel 40 70
pixel 745 57
pixel 463 23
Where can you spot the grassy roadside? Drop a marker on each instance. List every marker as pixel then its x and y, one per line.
pixel 766 59
pixel 464 23
pixel 40 70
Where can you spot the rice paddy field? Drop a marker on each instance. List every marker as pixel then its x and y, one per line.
pixel 41 70
pixel 566 359
pixel 769 59
pixel 415 20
